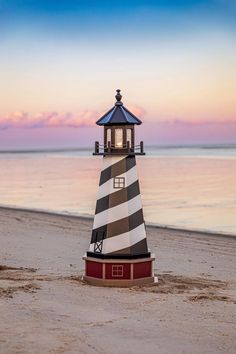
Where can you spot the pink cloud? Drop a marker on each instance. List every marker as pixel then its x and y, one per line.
pixel 84 118
pixel 48 119
pixel 162 131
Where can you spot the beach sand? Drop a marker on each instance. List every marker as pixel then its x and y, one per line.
pixel 46 308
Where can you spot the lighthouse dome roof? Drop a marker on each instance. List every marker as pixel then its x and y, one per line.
pixel 118 114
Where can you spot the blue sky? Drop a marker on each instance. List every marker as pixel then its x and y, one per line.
pixel 138 14
pixel 173 60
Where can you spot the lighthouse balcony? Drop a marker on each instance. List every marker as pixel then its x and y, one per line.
pixel 126 149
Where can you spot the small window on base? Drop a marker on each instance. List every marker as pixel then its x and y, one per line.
pixel 117 271
pixel 119 182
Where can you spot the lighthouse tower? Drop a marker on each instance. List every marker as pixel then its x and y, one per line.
pixel 118 254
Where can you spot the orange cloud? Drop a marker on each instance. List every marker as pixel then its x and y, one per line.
pixel 48 119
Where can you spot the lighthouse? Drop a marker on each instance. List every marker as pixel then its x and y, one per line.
pixel 118 254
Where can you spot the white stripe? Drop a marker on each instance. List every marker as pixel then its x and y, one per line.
pixel 127 239
pixel 111 160
pixel 107 187
pixel 117 212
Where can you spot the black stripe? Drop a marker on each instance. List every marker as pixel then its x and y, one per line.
pixel 118 256
pixel 119 197
pixel 138 248
pixel 117 169
pixel 118 227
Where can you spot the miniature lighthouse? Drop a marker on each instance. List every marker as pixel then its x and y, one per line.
pixel 118 254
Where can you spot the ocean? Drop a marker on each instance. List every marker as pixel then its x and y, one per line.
pixel 190 187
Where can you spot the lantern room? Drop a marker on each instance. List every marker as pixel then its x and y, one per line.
pixel 119 132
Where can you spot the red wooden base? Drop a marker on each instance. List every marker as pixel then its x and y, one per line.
pixel 118 272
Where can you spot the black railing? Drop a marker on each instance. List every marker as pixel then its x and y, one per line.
pixel 111 149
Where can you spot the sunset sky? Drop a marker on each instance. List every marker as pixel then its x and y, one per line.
pixel 61 62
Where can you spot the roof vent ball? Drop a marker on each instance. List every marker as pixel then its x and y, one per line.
pixel 118 98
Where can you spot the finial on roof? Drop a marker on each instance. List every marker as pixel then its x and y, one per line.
pixel 118 98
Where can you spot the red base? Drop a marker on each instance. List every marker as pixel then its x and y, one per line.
pixel 115 271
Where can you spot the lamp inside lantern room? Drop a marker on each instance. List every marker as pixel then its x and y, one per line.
pixel 119 138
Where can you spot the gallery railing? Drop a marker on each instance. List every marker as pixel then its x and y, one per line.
pixel 111 149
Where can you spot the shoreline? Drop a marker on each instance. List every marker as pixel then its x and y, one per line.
pixel 149 147
pixel 90 218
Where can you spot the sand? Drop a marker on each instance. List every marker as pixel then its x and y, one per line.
pixel 46 308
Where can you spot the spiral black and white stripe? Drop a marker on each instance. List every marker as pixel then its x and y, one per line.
pixel 119 227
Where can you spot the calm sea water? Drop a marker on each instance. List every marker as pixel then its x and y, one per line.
pixel 186 187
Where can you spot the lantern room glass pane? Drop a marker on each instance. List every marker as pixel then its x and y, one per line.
pixel 129 136
pixel 119 138
pixel 108 135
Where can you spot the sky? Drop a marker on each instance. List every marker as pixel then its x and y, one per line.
pixel 61 62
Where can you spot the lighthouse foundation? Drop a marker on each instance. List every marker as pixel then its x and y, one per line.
pixel 118 271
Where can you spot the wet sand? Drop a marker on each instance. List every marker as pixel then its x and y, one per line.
pixel 46 308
